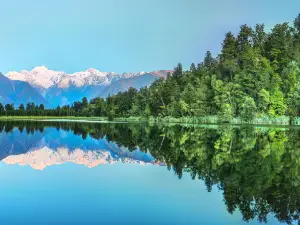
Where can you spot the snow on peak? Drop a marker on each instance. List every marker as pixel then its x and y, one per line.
pixel 42 77
pixel 40 69
pixel 92 71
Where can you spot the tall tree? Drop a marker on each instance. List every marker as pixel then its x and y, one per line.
pixel 259 37
pixel 228 58
pixel 21 107
pixel 42 107
pixel 279 46
pixel 84 102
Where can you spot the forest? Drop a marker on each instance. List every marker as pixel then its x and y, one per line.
pixel 254 79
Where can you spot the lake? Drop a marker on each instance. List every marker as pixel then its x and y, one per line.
pixel 55 172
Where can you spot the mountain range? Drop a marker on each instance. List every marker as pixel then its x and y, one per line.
pixel 18 92
pixel 52 88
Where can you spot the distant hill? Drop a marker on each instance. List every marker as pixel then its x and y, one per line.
pixel 124 85
pixel 61 96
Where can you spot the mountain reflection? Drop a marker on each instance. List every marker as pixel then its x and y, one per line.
pixel 41 158
pixel 40 145
pixel 256 168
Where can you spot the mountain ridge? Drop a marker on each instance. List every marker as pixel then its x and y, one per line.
pixel 57 88
pixel 42 77
pixel 18 92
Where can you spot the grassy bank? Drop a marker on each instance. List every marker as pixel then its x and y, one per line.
pixel 52 118
pixel 262 120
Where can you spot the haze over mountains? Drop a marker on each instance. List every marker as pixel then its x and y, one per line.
pixel 18 92
pixel 53 88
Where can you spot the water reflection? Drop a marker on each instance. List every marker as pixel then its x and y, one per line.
pixel 256 168
pixel 40 145
pixel 41 158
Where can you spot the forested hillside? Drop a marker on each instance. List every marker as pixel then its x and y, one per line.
pixel 256 75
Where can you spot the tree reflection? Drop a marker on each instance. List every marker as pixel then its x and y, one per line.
pixel 256 168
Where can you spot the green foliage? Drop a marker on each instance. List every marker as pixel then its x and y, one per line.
pixel 277 105
pixel 293 101
pixel 263 101
pixel 247 109
pixel 226 113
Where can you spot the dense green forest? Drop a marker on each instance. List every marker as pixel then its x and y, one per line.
pixel 255 168
pixel 256 75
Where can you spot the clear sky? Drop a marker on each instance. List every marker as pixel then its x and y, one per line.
pixel 124 35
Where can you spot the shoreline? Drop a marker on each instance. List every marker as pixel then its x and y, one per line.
pixel 152 120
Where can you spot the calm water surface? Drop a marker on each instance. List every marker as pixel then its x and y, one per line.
pixel 87 173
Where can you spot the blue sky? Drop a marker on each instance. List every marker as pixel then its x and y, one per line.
pixel 124 35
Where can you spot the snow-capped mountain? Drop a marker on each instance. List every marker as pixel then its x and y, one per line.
pixel 60 88
pixel 18 92
pixel 42 77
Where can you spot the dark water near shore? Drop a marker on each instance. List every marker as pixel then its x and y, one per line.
pixel 88 173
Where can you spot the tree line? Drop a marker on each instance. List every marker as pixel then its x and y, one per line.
pixel 256 74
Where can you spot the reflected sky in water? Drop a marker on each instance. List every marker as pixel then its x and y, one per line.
pixel 107 194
